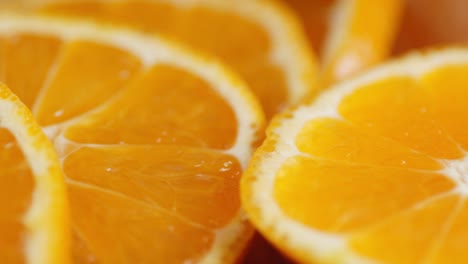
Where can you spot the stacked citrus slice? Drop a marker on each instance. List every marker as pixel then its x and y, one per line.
pixel 152 138
pixel 261 40
pixel 33 205
pixel 374 170
pixel 349 35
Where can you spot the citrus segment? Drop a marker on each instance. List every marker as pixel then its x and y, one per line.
pixel 449 104
pixel 98 80
pixel 152 139
pixel 137 224
pixel 357 146
pixel 189 112
pixel 451 248
pixel 33 220
pixel 413 233
pixel 259 39
pixel 408 117
pixel 351 196
pixel 350 36
pixel 361 36
pixel 176 179
pixel 22 50
pixel 374 169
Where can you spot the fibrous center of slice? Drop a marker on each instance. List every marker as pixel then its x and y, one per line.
pixel 458 171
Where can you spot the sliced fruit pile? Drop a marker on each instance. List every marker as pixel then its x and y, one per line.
pixel 129 132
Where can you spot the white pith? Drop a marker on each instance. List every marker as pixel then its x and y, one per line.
pixel 154 51
pixel 314 244
pixel 47 199
pixel 339 22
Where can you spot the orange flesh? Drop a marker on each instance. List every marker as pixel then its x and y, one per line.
pixel 173 112
pixel 151 199
pixel 142 154
pixel 96 80
pixel 377 173
pixel 33 54
pixel 241 43
pixel 15 198
pixel 365 39
pixel 351 196
pixel 413 234
pixel 432 23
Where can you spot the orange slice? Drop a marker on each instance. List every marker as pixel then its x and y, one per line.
pixel 350 35
pixel 374 170
pixel 33 204
pixel 152 139
pixel 261 40
pixel 428 23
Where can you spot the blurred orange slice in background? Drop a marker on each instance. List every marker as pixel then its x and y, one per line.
pixel 374 170
pixel 261 40
pixel 349 35
pixel 33 204
pixel 152 138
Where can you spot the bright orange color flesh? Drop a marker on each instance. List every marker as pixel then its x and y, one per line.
pixel 144 168
pixel 376 175
pixel 239 42
pixel 363 39
pixel 15 198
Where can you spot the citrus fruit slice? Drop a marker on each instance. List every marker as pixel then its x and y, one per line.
pixel 33 204
pixel 259 39
pixel 374 170
pixel 152 139
pixel 428 23
pixel 350 35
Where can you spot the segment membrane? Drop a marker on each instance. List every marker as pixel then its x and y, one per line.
pixel 198 185
pixel 338 140
pixel 87 75
pixel 454 248
pixel 124 230
pixel 25 63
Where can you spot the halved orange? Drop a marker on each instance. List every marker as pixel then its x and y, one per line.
pixel 33 203
pixel 152 139
pixel 261 40
pixel 374 170
pixel 349 35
